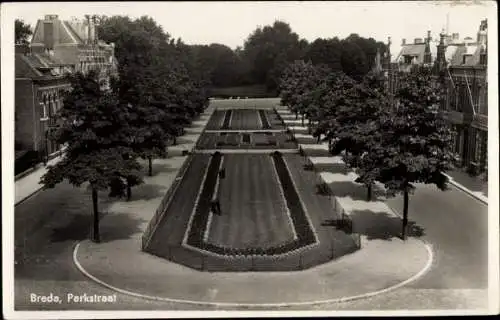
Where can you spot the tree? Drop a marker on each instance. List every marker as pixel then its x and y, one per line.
pixel 268 51
pixel 158 79
pixel 418 139
pixel 93 125
pixel 326 51
pixel 22 32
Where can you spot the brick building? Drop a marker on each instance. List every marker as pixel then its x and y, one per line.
pixel 39 87
pixel 461 64
pixel 466 98
pixel 57 47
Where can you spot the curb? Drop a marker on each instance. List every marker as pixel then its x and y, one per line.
pixel 27 172
pixel 480 198
pixel 29 196
pixel 430 260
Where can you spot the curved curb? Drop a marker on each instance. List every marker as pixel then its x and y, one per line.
pixel 419 274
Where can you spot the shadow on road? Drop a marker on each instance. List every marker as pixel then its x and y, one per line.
pixel 376 225
pixel 78 228
pixel 120 226
pixel 147 192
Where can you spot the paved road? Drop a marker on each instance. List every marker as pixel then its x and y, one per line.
pixel 456 225
pixel 55 219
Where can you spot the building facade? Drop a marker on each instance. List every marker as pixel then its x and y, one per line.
pixel 57 47
pixel 466 99
pixel 461 65
pixel 40 85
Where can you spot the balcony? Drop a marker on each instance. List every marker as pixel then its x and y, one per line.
pixel 480 121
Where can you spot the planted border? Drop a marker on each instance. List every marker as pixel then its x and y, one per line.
pixel 303 230
pixel 196 230
pixel 227 119
pixel 264 120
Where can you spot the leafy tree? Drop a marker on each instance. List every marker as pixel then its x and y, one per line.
pixel 418 139
pixel 326 51
pixel 270 49
pixel 359 132
pixel 22 32
pixel 158 79
pixel 354 60
pixel 337 91
pixel 93 125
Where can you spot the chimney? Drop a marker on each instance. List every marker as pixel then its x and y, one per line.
pixel 403 42
pixel 482 35
pixel 48 34
pixel 50 31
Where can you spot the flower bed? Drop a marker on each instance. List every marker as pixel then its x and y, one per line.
pixel 263 118
pixel 227 118
pixel 200 218
pixel 301 225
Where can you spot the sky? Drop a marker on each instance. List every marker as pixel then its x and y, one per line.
pixel 230 23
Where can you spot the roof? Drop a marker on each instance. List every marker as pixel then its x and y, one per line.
pixel 35 65
pixel 455 54
pixel 415 50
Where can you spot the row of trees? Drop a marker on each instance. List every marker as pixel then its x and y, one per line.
pixel 396 145
pixel 108 126
pixel 269 49
pixel 261 60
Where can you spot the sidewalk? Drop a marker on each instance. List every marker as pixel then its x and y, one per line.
pixel 473 186
pixel 119 264
pixel 29 184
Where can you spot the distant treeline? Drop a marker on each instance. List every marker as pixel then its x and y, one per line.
pixel 268 50
pixel 265 54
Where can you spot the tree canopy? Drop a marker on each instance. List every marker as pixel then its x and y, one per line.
pixel 22 32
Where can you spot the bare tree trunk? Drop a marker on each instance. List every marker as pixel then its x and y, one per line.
pixel 150 161
pixel 405 214
pixel 95 229
pixel 296 115
pixel 302 119
pixel 369 192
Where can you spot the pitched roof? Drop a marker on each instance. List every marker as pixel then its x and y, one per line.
pixel 35 65
pixel 413 50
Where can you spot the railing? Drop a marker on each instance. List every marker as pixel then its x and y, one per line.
pixel 165 202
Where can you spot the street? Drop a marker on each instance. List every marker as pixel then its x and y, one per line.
pixel 456 225
pixel 54 220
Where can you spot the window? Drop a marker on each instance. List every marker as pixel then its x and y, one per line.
pixel 479 150
pixel 43 110
pixel 482 58
pixel 465 58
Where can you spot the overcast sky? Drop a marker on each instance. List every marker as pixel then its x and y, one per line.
pixel 230 23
